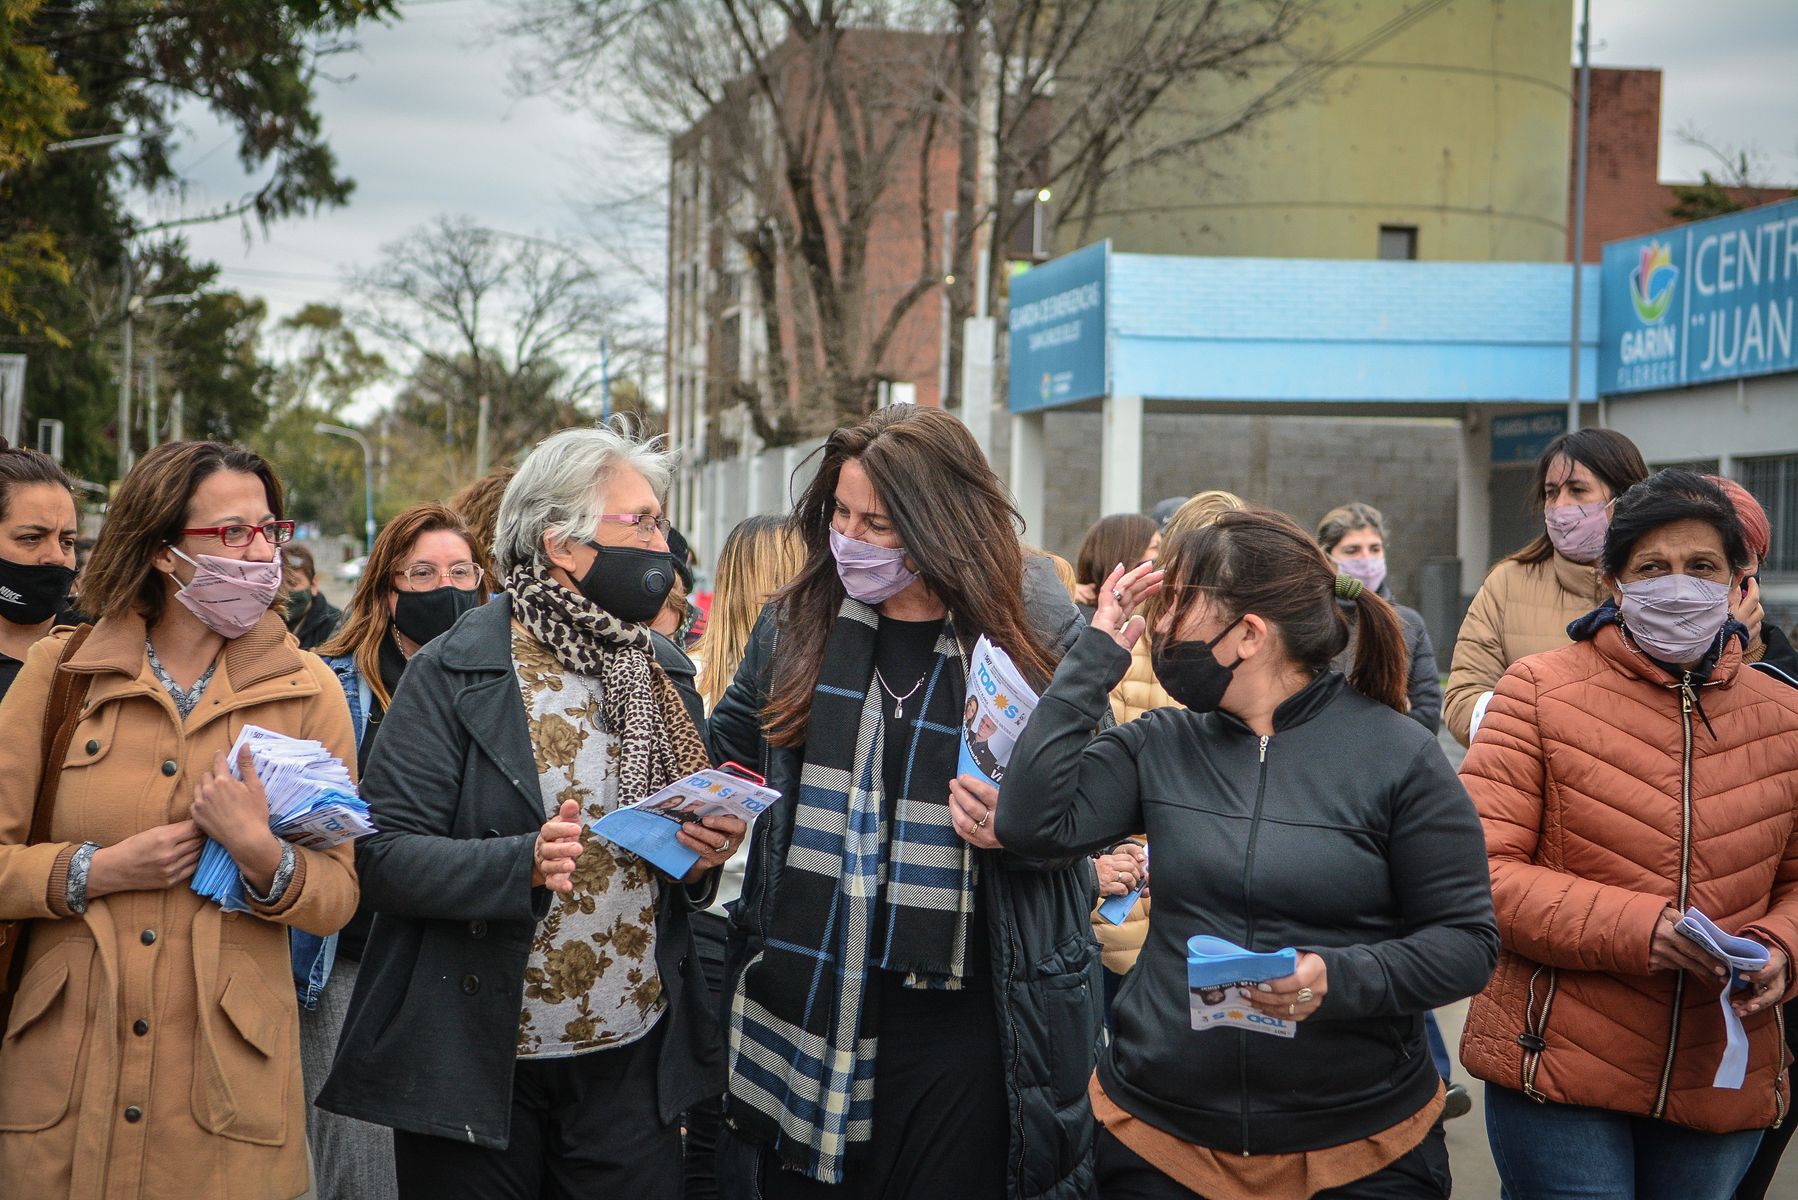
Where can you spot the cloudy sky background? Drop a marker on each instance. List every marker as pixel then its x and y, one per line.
pixel 430 120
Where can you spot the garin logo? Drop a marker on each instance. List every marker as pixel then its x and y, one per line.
pixel 1651 283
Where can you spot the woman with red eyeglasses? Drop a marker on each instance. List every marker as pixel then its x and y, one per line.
pixel 152 1047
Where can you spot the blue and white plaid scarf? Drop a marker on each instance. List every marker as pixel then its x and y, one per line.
pixel 802 1030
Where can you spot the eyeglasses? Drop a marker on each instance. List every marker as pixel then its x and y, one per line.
pixel 647 525
pixel 428 577
pixel 275 533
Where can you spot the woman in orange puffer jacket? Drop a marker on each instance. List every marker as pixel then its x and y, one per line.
pixel 1622 780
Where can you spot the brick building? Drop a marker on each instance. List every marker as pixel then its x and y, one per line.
pixel 1624 194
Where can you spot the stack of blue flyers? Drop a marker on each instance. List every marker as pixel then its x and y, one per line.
pixel 312 802
pixel 1218 972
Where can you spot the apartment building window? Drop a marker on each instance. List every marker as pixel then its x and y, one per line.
pixel 1398 242
pixel 1774 482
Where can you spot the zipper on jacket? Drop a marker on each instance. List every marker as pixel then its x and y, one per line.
pixel 1779 1104
pixel 1535 1030
pixel 1686 700
pixel 1248 908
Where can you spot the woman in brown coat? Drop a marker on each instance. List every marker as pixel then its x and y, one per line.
pixel 1528 600
pixel 153 1049
pixel 1622 780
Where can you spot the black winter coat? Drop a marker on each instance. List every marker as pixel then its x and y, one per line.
pixel 1048 983
pixel 1344 833
pixel 431 1038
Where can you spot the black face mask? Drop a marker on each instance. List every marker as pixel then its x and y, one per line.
pixel 424 616
pixel 298 605
pixel 32 593
pixel 629 584
pixel 1190 672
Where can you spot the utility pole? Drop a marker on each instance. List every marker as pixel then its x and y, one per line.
pixel 1579 209
pixel 150 401
pixel 483 417
pixel 124 439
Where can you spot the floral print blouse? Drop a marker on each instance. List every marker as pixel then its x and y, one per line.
pixel 591 982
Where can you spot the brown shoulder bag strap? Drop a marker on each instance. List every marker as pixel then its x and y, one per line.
pixel 68 692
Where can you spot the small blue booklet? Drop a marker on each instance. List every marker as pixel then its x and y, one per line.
pixel 1116 909
pixel 312 802
pixel 650 828
pixel 1219 973
pixel 1743 958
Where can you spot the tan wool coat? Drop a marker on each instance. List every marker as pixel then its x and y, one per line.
pixel 1520 610
pixel 1609 794
pixel 153 1048
pixel 1137 693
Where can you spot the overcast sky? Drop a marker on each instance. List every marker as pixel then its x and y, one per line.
pixel 429 121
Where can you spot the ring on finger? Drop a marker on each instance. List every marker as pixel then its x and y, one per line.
pixel 1306 995
pixel 1118 595
pixel 1292 1010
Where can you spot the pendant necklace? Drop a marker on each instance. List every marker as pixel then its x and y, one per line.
pixel 898 700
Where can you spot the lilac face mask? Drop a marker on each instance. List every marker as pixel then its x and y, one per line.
pixel 1577 530
pixel 230 595
pixel 1675 618
pixel 871 574
pixel 1371 571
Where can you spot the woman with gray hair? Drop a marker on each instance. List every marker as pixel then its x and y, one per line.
pixel 529 1017
pixel 1354 536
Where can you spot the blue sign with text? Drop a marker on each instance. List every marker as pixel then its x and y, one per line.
pixel 1707 301
pixel 1060 346
pixel 1522 437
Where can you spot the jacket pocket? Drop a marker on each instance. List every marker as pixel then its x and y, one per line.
pixel 240 1087
pixel 1072 1019
pixel 45 1039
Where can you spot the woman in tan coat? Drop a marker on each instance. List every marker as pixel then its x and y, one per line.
pixel 152 1051
pixel 1528 600
pixel 1623 780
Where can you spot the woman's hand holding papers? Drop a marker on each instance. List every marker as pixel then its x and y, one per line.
pixel 1765 987
pixel 714 839
pixel 972 802
pixel 1296 996
pixel 234 813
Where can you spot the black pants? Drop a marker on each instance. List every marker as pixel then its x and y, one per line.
pixel 582 1127
pixel 940 1126
pixel 705 1120
pixel 1420 1175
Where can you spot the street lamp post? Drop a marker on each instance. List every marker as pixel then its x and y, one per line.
pixel 368 475
pixel 132 306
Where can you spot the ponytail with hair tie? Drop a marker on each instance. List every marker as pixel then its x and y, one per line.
pixel 1348 587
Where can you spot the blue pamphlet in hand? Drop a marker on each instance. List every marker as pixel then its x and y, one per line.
pixel 1743 958
pixel 650 828
pixel 1116 909
pixel 311 801
pixel 1218 971
pixel 998 707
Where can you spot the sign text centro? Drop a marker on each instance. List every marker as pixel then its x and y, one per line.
pixel 1059 341
pixel 1707 301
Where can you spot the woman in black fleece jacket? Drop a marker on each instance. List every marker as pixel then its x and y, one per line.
pixel 1287 807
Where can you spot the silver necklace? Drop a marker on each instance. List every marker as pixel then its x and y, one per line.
pixel 898 700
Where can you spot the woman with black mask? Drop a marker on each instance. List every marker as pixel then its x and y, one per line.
pixel 424 572
pixel 37 552
pixel 1375 876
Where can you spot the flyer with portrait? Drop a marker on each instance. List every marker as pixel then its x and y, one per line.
pixel 650 827
pixel 1220 973
pixel 998 706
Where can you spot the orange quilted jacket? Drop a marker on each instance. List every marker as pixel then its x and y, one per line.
pixel 1605 800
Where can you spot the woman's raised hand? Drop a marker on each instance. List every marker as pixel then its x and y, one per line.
pixel 1122 593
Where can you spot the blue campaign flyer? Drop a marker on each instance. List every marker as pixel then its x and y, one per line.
pixel 1218 972
pixel 998 707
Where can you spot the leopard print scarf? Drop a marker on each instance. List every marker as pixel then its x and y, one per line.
pixel 656 738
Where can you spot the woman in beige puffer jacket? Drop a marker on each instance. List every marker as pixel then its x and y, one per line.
pixel 1528 600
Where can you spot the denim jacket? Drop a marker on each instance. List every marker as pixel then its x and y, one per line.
pixel 313 956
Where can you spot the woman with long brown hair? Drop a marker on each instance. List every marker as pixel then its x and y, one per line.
pixel 152 1048
pixel 904 1001
pixel 426 569
pixel 1375 874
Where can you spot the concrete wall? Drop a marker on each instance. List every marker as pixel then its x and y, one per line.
pixel 1456 123
pixel 1300 465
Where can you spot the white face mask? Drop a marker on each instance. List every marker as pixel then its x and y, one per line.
pixel 230 595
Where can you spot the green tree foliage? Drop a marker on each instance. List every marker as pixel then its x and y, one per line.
pixel 64 227
pixel 1707 198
